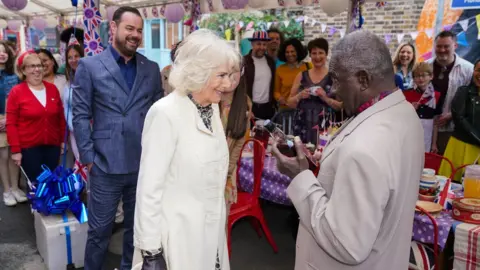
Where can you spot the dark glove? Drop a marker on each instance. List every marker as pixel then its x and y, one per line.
pixel 154 262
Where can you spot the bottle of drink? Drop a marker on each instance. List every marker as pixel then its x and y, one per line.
pixel 286 146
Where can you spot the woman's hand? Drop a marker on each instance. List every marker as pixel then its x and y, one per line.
pixel 434 148
pixel 62 148
pixel 443 119
pixel 303 95
pixel 17 159
pixel 320 92
pixel 415 105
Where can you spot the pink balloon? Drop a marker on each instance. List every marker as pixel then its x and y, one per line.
pixel 14 25
pixel 39 24
pixel 174 12
pixel 110 11
pixel 234 4
pixel 15 5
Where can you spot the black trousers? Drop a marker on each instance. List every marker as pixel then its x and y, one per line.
pixel 33 158
pixel 263 111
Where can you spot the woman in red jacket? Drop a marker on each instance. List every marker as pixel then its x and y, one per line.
pixel 35 118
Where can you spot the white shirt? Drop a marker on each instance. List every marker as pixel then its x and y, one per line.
pixel 262 80
pixel 41 95
pixel 60 81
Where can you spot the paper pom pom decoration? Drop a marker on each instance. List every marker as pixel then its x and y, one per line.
pixel 332 8
pixel 15 5
pixel 3 24
pixel 39 24
pixel 174 12
pixel 234 4
pixel 255 3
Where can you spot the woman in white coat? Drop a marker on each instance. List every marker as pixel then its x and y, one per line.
pixel 180 209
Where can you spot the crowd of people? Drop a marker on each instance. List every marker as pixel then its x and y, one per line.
pixel 137 129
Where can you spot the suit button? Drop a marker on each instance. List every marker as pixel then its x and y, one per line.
pixel 124 114
pixel 146 97
pixel 142 114
pixel 114 98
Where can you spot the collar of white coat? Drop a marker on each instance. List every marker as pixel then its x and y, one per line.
pixel 351 124
pixel 188 106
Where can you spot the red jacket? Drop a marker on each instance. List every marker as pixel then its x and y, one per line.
pixel 29 124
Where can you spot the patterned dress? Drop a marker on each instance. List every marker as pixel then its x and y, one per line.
pixel 311 111
pixel 206 113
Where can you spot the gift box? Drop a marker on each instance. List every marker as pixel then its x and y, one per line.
pixel 60 239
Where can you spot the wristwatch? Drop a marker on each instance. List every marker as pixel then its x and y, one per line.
pixel 151 253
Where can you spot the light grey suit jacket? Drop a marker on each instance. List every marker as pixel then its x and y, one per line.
pixel 358 213
pixel 100 93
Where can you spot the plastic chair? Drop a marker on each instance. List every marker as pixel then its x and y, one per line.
pixel 434 161
pixel 248 204
pixel 435 235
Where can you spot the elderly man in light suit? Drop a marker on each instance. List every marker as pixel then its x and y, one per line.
pixel 358 212
pixel 115 89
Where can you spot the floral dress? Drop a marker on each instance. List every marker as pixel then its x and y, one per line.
pixel 312 111
pixel 206 113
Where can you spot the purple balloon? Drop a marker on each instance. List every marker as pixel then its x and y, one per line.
pixel 174 12
pixel 15 5
pixel 234 4
pixel 39 24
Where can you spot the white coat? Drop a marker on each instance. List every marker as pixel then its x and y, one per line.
pixel 180 193
pixel 358 213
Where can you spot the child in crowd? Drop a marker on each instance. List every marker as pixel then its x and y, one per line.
pixel 424 99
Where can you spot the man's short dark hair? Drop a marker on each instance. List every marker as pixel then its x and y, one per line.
pixel 445 34
pixel 117 15
pixel 276 30
pixel 299 48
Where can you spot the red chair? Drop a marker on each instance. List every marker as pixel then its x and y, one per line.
pixel 248 204
pixel 433 161
pixel 435 239
pixel 454 172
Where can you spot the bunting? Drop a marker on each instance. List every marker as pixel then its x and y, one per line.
pixel 91 20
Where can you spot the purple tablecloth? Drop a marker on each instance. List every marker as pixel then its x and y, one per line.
pixel 423 228
pixel 274 184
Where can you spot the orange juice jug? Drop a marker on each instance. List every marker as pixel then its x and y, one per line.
pixel 471 182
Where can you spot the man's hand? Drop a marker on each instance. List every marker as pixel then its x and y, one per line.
pixel 89 166
pixel 291 166
pixel 443 119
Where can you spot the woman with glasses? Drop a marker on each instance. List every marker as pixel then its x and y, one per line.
pixel 35 118
pixel 50 70
pixel 235 111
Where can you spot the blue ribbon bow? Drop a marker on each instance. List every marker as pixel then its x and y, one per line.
pixel 57 192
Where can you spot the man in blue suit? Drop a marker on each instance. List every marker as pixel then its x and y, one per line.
pixel 114 89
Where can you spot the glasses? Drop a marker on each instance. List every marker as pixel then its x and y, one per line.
pixel 40 66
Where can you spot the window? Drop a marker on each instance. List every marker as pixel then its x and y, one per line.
pixel 171 34
pixel 155 35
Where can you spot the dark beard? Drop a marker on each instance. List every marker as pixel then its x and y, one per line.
pixel 123 49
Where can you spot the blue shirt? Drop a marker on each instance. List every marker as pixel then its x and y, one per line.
pixel 399 82
pixel 128 69
pixel 7 81
pixel 407 80
pixel 278 63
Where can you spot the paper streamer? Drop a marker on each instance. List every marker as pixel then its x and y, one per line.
pixel 324 27
pixel 400 37
pixel 464 24
pixel 478 25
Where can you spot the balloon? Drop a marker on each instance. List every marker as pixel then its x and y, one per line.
pixel 332 8
pixel 14 25
pixel 39 24
pixel 110 11
pixel 174 12
pixel 15 5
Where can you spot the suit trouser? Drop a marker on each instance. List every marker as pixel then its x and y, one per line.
pixel 106 190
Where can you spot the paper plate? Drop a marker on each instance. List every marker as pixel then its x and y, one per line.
pixel 430 207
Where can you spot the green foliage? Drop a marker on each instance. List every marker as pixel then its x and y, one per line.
pixel 221 22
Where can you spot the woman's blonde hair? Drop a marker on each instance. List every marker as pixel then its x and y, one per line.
pixel 197 57
pixel 396 58
pixel 19 67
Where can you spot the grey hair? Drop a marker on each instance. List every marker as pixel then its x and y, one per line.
pixel 198 56
pixel 363 50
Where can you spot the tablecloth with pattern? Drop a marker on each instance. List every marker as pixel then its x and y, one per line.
pixel 423 228
pixel 274 184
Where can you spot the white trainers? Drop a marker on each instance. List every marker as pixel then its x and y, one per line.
pixel 9 199
pixel 19 195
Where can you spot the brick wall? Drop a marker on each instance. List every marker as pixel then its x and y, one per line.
pixel 396 17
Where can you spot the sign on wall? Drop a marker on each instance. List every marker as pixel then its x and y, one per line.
pixel 465 4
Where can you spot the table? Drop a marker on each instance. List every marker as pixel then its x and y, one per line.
pixel 274 184
pixel 423 228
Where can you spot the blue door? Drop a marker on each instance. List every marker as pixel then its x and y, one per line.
pixel 159 37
